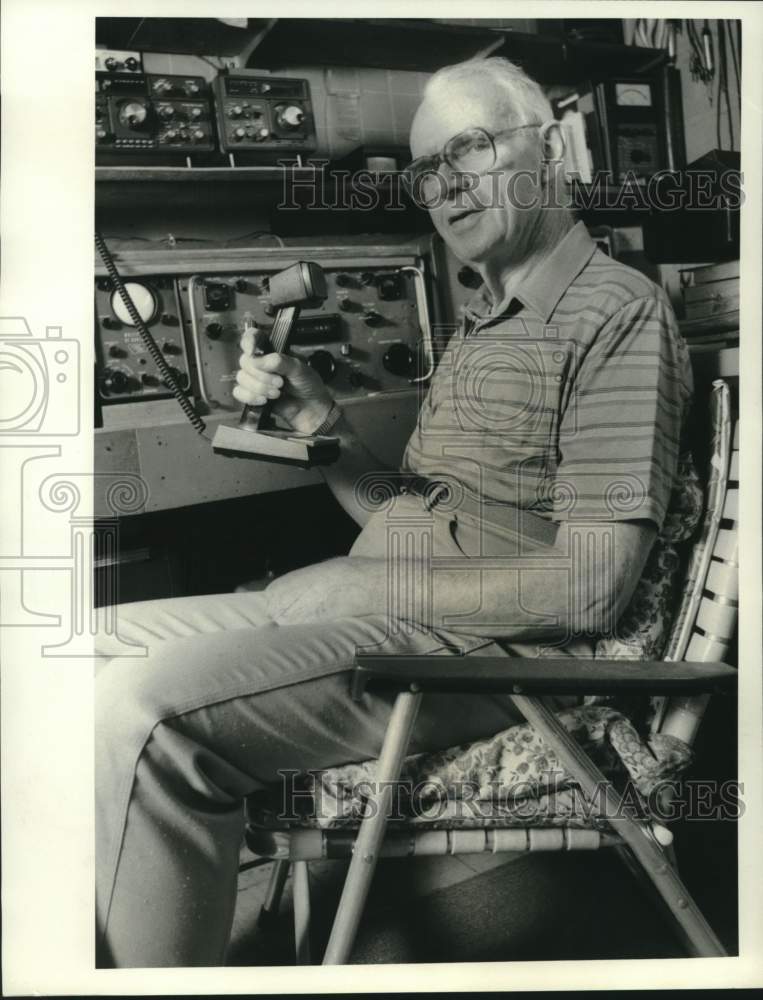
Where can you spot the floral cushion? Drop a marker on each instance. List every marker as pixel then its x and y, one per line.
pixel 644 627
pixel 512 777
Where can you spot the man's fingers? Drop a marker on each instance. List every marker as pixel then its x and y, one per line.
pixel 245 396
pixel 261 384
pixel 261 367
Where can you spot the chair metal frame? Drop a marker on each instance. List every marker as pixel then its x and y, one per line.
pixel 646 847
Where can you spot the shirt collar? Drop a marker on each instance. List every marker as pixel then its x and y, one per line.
pixel 544 288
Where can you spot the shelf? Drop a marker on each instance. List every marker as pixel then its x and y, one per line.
pixel 195 175
pixel 382 43
pixel 379 43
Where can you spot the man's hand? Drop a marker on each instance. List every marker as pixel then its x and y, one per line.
pixel 337 588
pixel 298 392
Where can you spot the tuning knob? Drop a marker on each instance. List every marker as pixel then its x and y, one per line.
pixel 239 134
pixel 214 330
pixel 398 359
pixel 192 87
pixel 166 111
pixel 133 114
pixel 115 380
pixel 373 318
pixel 290 116
pixel 110 323
pixel 197 135
pixel 323 362
pixel 261 134
pixel 162 86
pixel 236 111
pixel 180 377
pixel 131 63
pixel 344 280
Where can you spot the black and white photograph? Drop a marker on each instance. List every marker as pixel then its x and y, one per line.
pixel 380 580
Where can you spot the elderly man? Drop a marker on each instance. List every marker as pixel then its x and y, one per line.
pixel 562 397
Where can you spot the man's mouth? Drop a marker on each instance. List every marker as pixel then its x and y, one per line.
pixel 464 214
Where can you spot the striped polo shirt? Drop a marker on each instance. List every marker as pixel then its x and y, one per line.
pixel 569 398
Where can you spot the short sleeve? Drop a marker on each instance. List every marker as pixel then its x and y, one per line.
pixel 621 427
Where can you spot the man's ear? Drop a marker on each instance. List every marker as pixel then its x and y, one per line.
pixel 552 141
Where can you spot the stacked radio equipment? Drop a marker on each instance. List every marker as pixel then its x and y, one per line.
pixel 144 118
pixel 143 113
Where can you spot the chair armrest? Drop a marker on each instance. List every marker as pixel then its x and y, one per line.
pixel 513 675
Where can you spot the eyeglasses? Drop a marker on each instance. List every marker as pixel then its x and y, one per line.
pixel 471 151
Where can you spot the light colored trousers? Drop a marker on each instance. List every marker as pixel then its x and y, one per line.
pixel 223 699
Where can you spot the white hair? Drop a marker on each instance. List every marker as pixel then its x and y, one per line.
pixel 524 98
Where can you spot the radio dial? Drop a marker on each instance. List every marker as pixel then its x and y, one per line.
pixel 290 116
pixel 323 363
pixel 133 114
pixel 398 359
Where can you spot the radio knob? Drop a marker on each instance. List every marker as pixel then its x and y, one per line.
pixel 214 331
pixel 110 323
pixel 180 377
pixel 270 309
pixel 170 135
pixel 290 116
pixel 345 350
pixel 398 359
pixel 131 63
pixel 195 112
pixel 236 111
pixel 162 86
pixel 239 134
pixel 192 87
pixel 345 304
pixel 197 135
pixel 170 347
pixel 344 280
pixel 373 318
pixel 102 134
pixel 355 378
pixel 117 352
pixel 115 380
pixel 240 284
pixel 149 380
pixel 265 88
pixel 261 134
pixel 368 278
pixel 166 111
pixel 323 363
pixel 111 64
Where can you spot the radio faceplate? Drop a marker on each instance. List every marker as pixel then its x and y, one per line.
pixel 126 371
pixel 359 341
pixel 264 114
pixel 147 113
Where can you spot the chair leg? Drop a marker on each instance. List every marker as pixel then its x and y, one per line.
pixel 702 940
pixel 302 912
pixel 368 842
pixel 269 909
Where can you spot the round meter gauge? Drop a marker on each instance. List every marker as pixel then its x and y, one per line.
pixel 143 298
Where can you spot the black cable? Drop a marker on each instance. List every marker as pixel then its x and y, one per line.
pixel 148 340
pixel 735 60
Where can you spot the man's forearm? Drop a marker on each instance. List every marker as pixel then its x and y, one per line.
pixel 354 462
